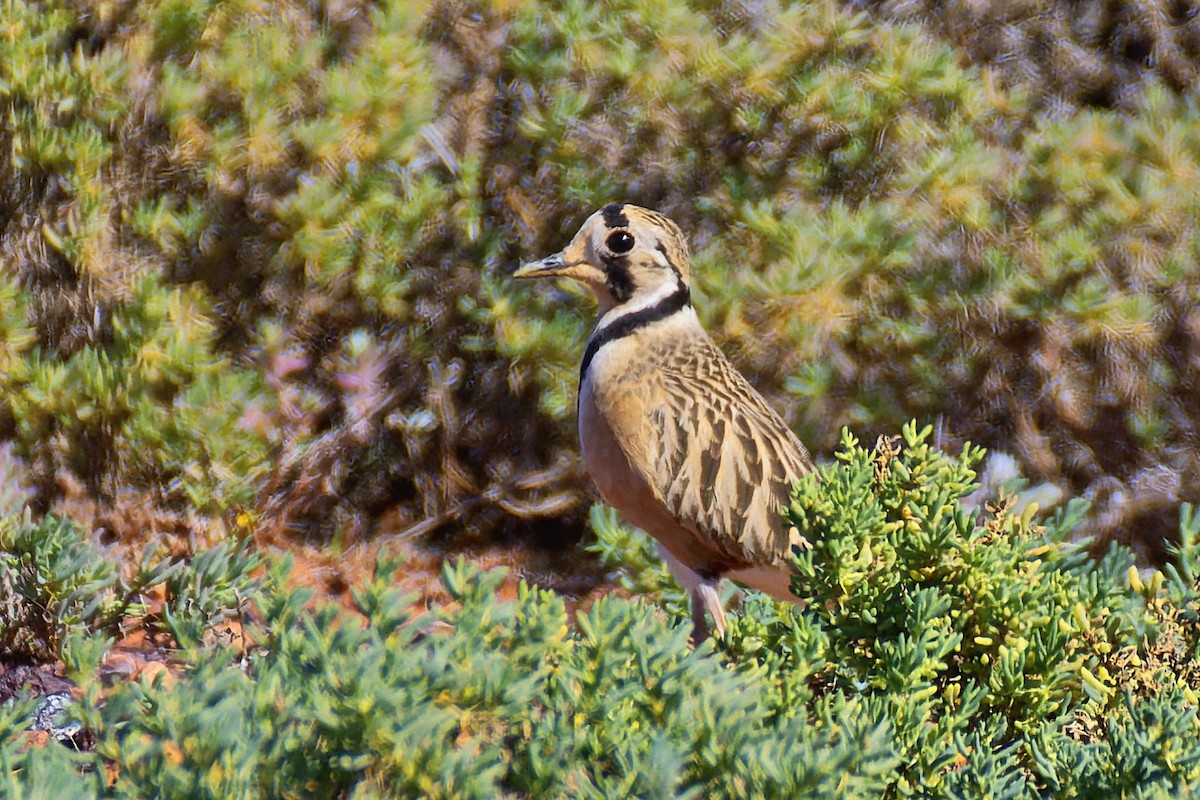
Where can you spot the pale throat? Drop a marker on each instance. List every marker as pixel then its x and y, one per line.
pixel 611 311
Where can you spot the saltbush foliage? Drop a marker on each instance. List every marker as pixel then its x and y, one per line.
pixel 58 587
pixel 946 650
pixel 256 253
pixel 54 583
pixel 1085 53
pixel 1004 660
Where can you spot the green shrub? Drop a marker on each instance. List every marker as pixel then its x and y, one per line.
pixel 928 597
pixel 153 407
pixel 1004 659
pixel 1083 53
pixel 54 583
pixel 945 651
pixel 956 620
pixel 65 597
pixel 208 588
pixel 477 699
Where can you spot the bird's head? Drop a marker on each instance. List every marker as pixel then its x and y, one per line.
pixel 623 253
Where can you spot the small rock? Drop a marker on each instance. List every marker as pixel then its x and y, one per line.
pixel 48 717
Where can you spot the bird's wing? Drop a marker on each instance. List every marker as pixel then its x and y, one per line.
pixel 722 461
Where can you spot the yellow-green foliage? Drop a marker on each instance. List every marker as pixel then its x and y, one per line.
pixel 278 162
pixel 1005 660
pixel 152 405
pixel 879 231
pixel 949 653
pixel 1089 52
pixel 61 105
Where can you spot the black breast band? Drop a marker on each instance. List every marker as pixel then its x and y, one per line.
pixel 630 323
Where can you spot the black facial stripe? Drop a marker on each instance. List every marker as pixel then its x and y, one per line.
pixel 620 282
pixel 614 217
pixel 662 248
pixel 630 323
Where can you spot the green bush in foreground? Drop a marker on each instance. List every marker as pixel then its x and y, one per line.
pixel 58 587
pixel 945 653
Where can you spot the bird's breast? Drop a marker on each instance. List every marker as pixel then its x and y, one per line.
pixel 615 401
pixel 602 453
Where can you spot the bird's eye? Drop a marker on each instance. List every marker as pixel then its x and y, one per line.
pixel 620 242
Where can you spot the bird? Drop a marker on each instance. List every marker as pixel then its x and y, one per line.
pixel 673 436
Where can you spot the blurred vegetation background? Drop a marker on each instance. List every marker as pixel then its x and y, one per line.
pixel 255 254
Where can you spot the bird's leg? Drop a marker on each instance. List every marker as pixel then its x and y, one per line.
pixel 704 596
pixel 707 597
pixel 699 620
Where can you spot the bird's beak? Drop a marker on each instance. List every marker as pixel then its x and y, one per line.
pixel 543 268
